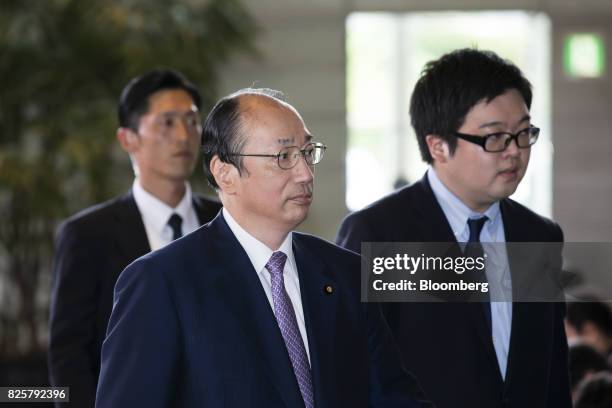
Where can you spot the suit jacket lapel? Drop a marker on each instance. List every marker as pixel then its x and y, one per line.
pixel 130 232
pixel 514 232
pixel 320 309
pixel 242 290
pixel 441 231
pixel 520 260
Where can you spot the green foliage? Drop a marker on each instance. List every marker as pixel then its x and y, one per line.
pixel 63 64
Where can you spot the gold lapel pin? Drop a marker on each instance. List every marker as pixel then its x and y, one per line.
pixel 328 289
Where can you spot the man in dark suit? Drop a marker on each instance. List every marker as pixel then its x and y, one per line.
pixel 159 128
pixel 470 112
pixel 244 312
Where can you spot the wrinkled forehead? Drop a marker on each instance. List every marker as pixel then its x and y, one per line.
pixel 268 121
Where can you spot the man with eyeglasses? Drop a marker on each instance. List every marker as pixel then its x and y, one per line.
pixel 470 113
pixel 160 128
pixel 244 312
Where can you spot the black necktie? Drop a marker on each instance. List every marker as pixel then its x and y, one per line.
pixel 474 249
pixel 175 223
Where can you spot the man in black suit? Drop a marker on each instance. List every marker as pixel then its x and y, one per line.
pixel 160 129
pixel 470 112
pixel 244 312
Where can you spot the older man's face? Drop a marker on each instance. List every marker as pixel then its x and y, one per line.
pixel 268 194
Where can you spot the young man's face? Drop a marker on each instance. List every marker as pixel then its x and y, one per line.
pixel 480 178
pixel 168 137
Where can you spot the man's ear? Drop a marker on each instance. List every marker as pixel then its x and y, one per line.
pixel 128 139
pixel 225 174
pixel 438 148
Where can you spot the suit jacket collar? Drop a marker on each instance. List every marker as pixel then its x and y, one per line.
pixel 247 299
pixel 515 230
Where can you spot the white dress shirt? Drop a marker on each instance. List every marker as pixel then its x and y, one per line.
pixel 155 215
pixel 496 263
pixel 260 254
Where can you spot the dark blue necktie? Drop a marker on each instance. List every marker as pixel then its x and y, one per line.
pixel 175 223
pixel 474 249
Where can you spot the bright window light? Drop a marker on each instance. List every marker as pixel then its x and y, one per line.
pixel 385 55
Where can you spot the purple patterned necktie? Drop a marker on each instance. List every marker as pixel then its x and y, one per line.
pixel 285 316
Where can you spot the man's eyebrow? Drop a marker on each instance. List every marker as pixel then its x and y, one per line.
pixel 173 112
pixel 490 124
pixel 285 141
pixel 525 118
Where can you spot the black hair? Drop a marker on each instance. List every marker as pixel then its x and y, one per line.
pixel 452 85
pixel 222 132
pixel 595 392
pixel 594 311
pixel 134 99
pixel 582 360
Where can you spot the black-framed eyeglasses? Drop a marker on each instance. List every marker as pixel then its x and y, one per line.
pixel 498 142
pixel 289 156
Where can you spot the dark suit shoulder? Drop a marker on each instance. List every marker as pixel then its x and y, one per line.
pixel 519 210
pixel 536 227
pixel 95 219
pixel 324 248
pixel 386 209
pixel 387 219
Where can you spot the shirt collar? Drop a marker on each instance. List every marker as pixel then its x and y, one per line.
pixel 154 211
pixel 258 252
pixel 457 213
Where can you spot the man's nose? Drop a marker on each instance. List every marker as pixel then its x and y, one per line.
pixel 182 131
pixel 304 172
pixel 512 149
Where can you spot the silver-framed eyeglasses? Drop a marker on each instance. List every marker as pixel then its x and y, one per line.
pixel 498 142
pixel 288 156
